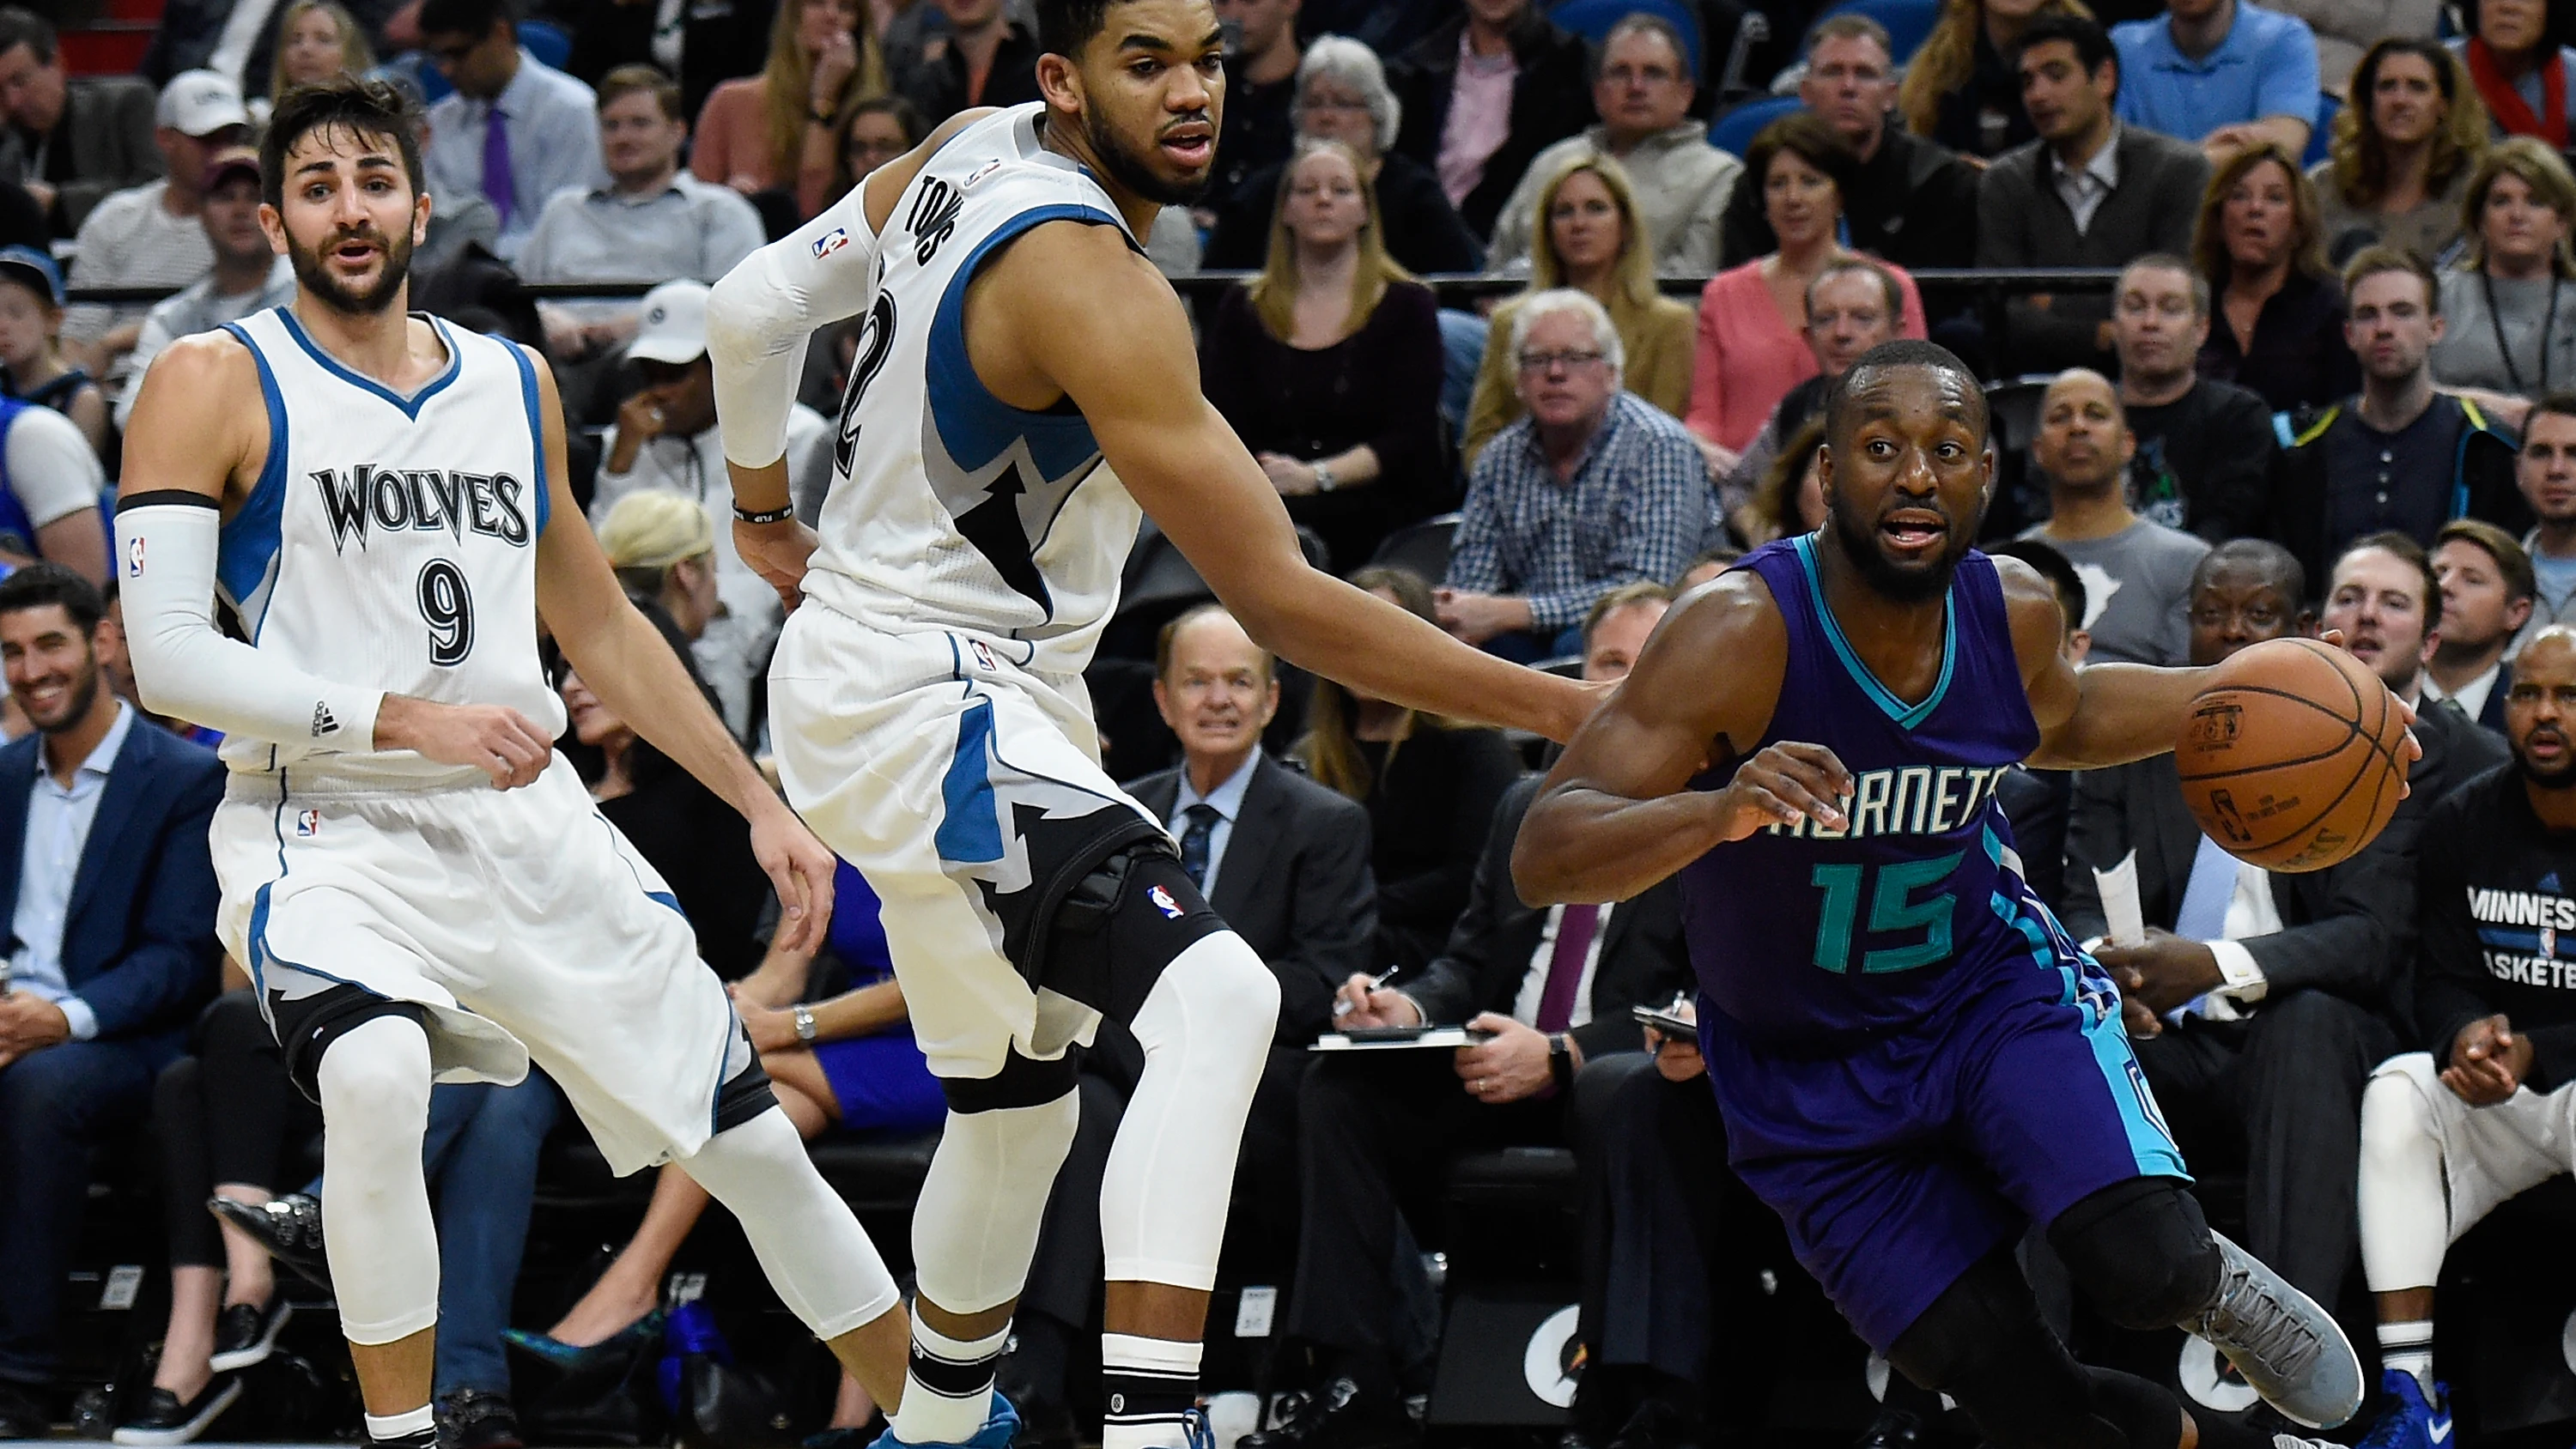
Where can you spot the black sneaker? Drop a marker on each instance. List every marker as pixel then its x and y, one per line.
pixel 162 1419
pixel 1339 1416
pixel 477 1419
pixel 245 1332
pixel 289 1227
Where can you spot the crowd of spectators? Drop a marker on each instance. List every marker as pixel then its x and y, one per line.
pixel 2319 380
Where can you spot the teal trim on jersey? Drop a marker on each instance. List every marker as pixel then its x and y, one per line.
pixel 246 548
pixel 536 437
pixel 411 405
pixel 975 426
pixel 970 817
pixel 1906 716
pixel 2150 1141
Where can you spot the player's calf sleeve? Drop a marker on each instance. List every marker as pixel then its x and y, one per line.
pixel 2141 1251
pixel 1205 1027
pixel 2405 1219
pixel 825 1268
pixel 377 1231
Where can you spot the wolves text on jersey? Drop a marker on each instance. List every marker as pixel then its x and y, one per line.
pixel 427 499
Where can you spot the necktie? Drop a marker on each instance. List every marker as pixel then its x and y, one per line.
pixel 1574 931
pixel 2203 913
pixel 1194 842
pixel 498 184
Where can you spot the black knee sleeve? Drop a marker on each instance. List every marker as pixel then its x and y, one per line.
pixel 307 1025
pixel 2141 1251
pixel 1121 924
pixel 1983 1343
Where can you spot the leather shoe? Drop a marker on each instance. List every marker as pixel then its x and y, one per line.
pixel 1893 1429
pixel 476 1419
pixel 289 1227
pixel 1338 1416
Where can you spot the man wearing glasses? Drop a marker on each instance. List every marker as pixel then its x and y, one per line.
pixel 515 130
pixel 1594 488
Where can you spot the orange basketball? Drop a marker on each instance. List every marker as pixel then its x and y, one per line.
pixel 2292 756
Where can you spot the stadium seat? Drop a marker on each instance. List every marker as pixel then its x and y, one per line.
pixel 1421 549
pixel 1736 129
pixel 2321 139
pixel 546 41
pixel 1594 20
pixel 1908 22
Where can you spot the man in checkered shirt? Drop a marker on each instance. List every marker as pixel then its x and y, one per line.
pixel 1593 489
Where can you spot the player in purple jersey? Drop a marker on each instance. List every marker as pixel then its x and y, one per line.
pixel 1914 1060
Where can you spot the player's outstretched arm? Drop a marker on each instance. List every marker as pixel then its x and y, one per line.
pixel 2102 714
pixel 1617 814
pixel 1069 306
pixel 631 667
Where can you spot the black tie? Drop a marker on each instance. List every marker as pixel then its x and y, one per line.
pixel 1194 842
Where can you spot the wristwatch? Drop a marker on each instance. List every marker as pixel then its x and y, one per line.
pixel 1323 476
pixel 804 1018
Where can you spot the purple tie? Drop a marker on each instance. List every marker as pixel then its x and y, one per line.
pixel 1565 967
pixel 498 184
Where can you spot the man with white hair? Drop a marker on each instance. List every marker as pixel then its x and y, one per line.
pixel 1342 95
pixel 1594 488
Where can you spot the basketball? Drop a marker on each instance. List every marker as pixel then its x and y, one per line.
pixel 2292 756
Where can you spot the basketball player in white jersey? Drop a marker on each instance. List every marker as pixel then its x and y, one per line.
pixel 1024 382
pixel 420 887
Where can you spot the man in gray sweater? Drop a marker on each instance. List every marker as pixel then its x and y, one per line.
pixel 2089 192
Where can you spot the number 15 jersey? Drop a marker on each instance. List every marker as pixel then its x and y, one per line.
pixel 390 542
pixel 1810 939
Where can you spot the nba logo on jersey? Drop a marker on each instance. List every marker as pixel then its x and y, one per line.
pixel 984 656
pixel 1163 902
pixel 831 241
pixel 134 557
pixel 308 823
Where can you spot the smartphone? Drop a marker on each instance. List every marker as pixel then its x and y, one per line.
pixel 1667 1023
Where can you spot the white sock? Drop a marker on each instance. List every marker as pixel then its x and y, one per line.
pixel 1147 1384
pixel 393 1428
pixel 948 1389
pixel 2408 1347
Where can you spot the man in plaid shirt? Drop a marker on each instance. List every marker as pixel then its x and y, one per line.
pixel 1593 489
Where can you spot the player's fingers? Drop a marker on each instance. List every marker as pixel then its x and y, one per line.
pixel 1836 777
pixel 1811 799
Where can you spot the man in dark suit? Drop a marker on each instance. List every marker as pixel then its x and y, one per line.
pixel 2089 192
pixel 1552 989
pixel 2487 594
pixel 109 894
pixel 1285 861
pixel 2261 1001
pixel 69 142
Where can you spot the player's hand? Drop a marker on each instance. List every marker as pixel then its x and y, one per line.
pixel 1511 1067
pixel 800 867
pixel 2163 971
pixel 778 552
pixel 1363 1003
pixel 496 739
pixel 2489 1061
pixel 1780 785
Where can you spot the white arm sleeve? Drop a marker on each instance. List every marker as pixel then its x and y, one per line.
pixel 760 315
pixel 185 666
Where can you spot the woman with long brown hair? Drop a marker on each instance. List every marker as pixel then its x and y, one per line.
pixel 1430 787
pixel 2278 323
pixel 1593 238
pixel 1960 88
pixel 316 40
pixel 1328 363
pixel 776 131
pixel 2405 143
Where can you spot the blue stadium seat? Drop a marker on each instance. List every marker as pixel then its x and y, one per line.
pixel 2328 107
pixel 1593 20
pixel 1736 129
pixel 546 41
pixel 1908 22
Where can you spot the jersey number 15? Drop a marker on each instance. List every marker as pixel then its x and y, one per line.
pixel 1892 907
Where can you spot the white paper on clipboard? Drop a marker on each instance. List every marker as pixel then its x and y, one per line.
pixel 2124 923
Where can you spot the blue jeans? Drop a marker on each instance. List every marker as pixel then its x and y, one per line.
pixel 55 1104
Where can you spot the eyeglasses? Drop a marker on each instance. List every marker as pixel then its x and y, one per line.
pixel 1551 361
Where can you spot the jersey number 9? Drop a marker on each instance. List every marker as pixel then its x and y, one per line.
pixel 448 607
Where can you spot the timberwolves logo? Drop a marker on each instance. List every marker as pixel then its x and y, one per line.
pixel 1553 1362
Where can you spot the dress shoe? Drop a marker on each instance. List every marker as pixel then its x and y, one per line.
pixel 289 1227
pixel 477 1419
pixel 162 1420
pixel 1338 1416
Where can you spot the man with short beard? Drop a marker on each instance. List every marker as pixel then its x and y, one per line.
pixel 2137 573
pixel 2544 471
pixel 2480 1113
pixel 2487 597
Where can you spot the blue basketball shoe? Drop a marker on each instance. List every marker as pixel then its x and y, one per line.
pixel 999 1426
pixel 2409 1421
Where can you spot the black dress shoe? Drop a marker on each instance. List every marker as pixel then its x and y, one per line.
pixel 162 1420
pixel 21 1417
pixel 289 1227
pixel 475 1419
pixel 1339 1416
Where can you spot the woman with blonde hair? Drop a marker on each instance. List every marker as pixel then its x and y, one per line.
pixel 1960 89
pixel 2510 315
pixel 1594 239
pixel 1328 363
pixel 2402 149
pixel 2277 323
pixel 316 40
pixel 1430 787
pixel 778 130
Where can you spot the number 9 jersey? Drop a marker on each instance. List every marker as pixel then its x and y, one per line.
pixel 390 541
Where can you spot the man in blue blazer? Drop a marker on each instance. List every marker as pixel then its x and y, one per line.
pixel 108 895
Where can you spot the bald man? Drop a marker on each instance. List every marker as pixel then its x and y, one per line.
pixel 2137 574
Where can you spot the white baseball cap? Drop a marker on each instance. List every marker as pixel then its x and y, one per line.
pixel 200 103
pixel 673 325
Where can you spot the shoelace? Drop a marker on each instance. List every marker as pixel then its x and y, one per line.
pixel 2249 1321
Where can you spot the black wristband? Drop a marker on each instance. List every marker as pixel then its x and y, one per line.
pixel 770 515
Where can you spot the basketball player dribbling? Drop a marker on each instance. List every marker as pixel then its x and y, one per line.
pixel 420 887
pixel 1024 382
pixel 1913 1059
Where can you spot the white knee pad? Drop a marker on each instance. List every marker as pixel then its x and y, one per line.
pixel 376 1227
pixel 1206 1029
pixel 975 1227
pixel 2404 1199
pixel 823 1264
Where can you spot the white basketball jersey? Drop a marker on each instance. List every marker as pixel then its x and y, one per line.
pixel 951 510
pixel 390 542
